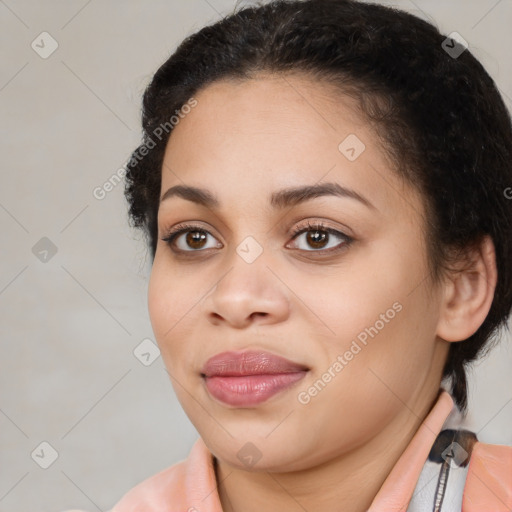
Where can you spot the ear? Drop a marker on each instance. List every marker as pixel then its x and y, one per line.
pixel 468 294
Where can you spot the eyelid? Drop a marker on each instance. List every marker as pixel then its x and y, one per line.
pixel 172 234
pixel 181 227
pixel 320 226
pixel 300 222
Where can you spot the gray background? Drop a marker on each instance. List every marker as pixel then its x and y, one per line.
pixel 69 325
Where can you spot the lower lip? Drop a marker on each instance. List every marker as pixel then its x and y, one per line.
pixel 250 390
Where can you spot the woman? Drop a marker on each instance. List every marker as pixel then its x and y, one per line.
pixel 323 186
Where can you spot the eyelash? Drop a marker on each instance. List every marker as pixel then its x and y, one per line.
pixel 318 226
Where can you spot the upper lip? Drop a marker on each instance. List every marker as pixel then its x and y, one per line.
pixel 250 362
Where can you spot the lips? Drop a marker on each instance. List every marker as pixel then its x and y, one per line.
pixel 235 364
pixel 249 378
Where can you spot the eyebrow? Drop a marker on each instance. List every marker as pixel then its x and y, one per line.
pixel 280 199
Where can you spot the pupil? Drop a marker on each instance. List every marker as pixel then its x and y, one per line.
pixel 317 239
pixel 194 238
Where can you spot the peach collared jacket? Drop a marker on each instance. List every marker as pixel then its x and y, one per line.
pixel 443 469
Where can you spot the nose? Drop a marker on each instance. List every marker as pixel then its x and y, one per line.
pixel 248 293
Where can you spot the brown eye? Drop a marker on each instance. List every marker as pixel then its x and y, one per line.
pixel 190 239
pixel 195 239
pixel 319 238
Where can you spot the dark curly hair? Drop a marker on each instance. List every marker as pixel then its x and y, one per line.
pixel 438 115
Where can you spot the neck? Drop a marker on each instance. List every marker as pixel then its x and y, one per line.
pixel 348 482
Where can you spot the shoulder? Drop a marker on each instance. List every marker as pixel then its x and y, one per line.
pixel 179 487
pixel 155 491
pixel 489 480
pixel 188 485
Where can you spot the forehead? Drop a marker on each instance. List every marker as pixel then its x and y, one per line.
pixel 247 138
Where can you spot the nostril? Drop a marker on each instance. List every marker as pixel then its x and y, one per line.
pixel 258 314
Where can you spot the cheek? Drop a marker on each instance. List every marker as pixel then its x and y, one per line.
pixel 358 304
pixel 174 299
pixel 380 315
pixel 169 295
pixel 159 301
pixel 168 303
pixel 376 379
pixel 397 345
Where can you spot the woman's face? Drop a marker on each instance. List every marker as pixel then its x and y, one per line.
pixel 352 309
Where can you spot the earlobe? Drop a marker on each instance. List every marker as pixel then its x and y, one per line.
pixel 468 294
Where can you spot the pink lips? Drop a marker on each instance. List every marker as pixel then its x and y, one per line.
pixel 250 377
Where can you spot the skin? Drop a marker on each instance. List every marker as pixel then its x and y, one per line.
pixel 243 142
